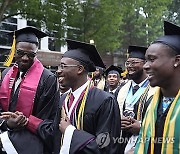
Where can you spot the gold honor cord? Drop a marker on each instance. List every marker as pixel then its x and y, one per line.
pixel 143 96
pixel 81 111
pixel 10 57
pixel 79 121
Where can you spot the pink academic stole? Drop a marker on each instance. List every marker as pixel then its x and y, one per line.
pixel 28 87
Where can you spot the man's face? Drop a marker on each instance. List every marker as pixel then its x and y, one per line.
pixel 135 68
pixel 68 72
pixel 62 88
pixel 159 66
pixel 25 53
pixel 97 73
pixel 113 80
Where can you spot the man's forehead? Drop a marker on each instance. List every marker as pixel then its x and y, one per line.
pixel 26 46
pixel 112 74
pixel 157 49
pixel 67 60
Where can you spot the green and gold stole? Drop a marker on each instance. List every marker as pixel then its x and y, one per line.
pixel 171 132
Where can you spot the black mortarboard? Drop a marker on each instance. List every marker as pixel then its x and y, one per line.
pixel 28 34
pixel 137 52
pixel 85 53
pixel 113 70
pixel 171 36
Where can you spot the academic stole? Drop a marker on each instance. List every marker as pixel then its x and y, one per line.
pixel 5 91
pixel 78 120
pixel 132 99
pixel 171 134
pixel 26 94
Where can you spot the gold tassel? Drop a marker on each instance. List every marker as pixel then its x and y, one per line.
pixel 10 57
pixel 124 73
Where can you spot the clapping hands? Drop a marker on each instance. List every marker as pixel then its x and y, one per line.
pixel 15 120
pixel 130 124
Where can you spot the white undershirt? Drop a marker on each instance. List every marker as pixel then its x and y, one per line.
pixel 18 81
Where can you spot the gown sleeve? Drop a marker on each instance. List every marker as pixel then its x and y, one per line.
pixel 46 101
pixel 107 131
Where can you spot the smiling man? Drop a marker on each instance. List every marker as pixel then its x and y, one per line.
pixel 88 118
pixel 30 93
pixel 113 79
pixel 134 96
pixel 160 130
pixel 137 76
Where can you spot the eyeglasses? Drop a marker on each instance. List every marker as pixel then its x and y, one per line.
pixel 132 63
pixel 21 53
pixel 62 66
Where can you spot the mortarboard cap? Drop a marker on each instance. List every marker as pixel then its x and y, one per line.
pixel 171 36
pixel 137 52
pixel 85 53
pixel 28 34
pixel 113 70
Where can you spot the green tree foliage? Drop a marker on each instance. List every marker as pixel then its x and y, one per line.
pixel 43 13
pixel 173 12
pixel 112 24
pixel 98 21
pixel 142 21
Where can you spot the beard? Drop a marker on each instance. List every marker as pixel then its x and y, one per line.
pixel 136 75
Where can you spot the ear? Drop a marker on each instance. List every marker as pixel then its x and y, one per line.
pixel 80 69
pixel 177 61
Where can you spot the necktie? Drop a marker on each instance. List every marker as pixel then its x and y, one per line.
pixel 71 99
pixel 135 88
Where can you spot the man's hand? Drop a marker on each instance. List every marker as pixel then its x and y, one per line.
pixel 134 127
pixel 64 123
pixel 14 120
pixel 125 122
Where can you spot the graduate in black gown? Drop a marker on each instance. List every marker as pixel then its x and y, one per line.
pixel 113 79
pixel 91 124
pixel 134 97
pixel 29 92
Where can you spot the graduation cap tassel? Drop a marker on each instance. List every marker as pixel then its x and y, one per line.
pixel 124 73
pixel 10 57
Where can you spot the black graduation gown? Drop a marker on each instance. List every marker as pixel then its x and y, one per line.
pixel 45 106
pixel 117 89
pixel 101 115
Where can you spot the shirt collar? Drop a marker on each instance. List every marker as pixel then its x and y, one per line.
pixel 78 91
pixel 113 91
pixel 140 84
